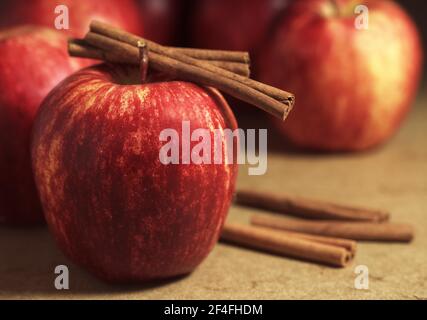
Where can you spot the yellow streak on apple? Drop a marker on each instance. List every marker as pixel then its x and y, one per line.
pixel 385 55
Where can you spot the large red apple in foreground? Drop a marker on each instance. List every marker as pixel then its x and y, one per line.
pixel 121 13
pixel 353 86
pixel 112 205
pixel 32 61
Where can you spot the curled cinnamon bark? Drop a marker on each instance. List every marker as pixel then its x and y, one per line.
pixel 285 244
pixel 79 48
pixel 198 72
pixel 366 231
pixel 307 208
pixel 118 45
pixel 123 36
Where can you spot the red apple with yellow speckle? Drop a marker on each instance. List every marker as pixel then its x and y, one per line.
pixel 32 61
pixel 112 205
pixel 354 86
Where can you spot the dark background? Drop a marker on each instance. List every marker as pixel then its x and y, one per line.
pixel 418 11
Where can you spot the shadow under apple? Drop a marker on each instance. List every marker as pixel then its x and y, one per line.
pixel 28 257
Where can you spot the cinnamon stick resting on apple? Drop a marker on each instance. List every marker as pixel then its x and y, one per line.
pixel 118 44
pixel 233 63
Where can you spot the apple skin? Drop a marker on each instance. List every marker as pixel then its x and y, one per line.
pixel 33 60
pixel 353 87
pixel 234 24
pixel 112 206
pixel 121 13
pixel 160 19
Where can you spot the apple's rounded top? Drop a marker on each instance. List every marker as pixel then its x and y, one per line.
pixel 28 30
pixel 123 83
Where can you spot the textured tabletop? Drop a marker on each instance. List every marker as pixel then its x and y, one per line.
pixel 393 177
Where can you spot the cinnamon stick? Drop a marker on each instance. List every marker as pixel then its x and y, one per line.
pixel 123 36
pixel 365 231
pixel 120 35
pixel 347 244
pixel 238 57
pixel 307 208
pixel 242 69
pixel 215 55
pixel 201 54
pixel 193 72
pixel 79 48
pixel 283 244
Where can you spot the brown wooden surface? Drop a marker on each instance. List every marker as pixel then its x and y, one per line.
pixel 393 177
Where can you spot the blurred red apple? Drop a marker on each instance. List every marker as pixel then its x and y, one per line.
pixel 353 86
pixel 33 60
pixel 234 24
pixel 121 13
pixel 111 204
pixel 160 19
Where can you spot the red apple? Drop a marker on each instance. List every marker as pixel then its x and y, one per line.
pixel 160 19
pixel 111 204
pixel 33 60
pixel 353 86
pixel 234 24
pixel 121 13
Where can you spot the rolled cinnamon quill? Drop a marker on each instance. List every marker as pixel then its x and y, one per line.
pixel 273 100
pixel 79 48
pixel 307 208
pixel 258 94
pixel 281 243
pixel 347 244
pixel 364 231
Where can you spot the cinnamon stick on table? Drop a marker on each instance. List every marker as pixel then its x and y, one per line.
pixel 348 230
pixel 347 244
pixel 307 208
pixel 285 244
